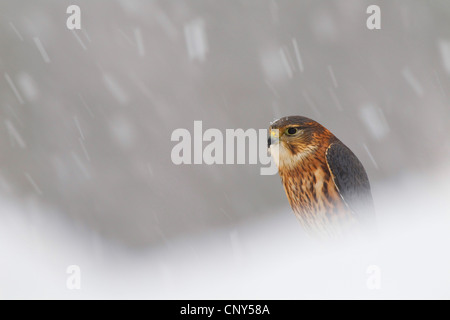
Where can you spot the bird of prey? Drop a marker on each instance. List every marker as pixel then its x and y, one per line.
pixel 325 183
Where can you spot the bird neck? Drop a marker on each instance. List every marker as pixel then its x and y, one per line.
pixel 299 181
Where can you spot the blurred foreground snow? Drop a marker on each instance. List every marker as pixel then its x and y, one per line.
pixel 269 257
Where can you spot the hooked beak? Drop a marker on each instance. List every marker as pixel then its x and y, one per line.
pixel 274 137
pixel 274 145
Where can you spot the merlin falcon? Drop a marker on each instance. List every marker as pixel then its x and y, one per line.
pixel 325 183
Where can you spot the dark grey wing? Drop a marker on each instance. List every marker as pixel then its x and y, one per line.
pixel 350 179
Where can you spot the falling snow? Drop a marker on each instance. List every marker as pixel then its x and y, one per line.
pixel 15 137
pixel 16 31
pixel 80 42
pixel 196 41
pixel 370 156
pixel 139 41
pixel 115 89
pixel 13 88
pixel 297 55
pixel 77 123
pixel 374 121
pixel 444 49
pixel 286 64
pixel 28 86
pixel 333 77
pixel 87 117
pixel 272 65
pixel 33 184
pixel 41 49
pixel 412 81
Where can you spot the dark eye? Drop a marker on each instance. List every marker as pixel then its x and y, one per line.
pixel 291 131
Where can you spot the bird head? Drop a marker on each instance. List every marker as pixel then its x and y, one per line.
pixel 292 139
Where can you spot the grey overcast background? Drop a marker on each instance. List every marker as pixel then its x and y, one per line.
pixel 86 116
